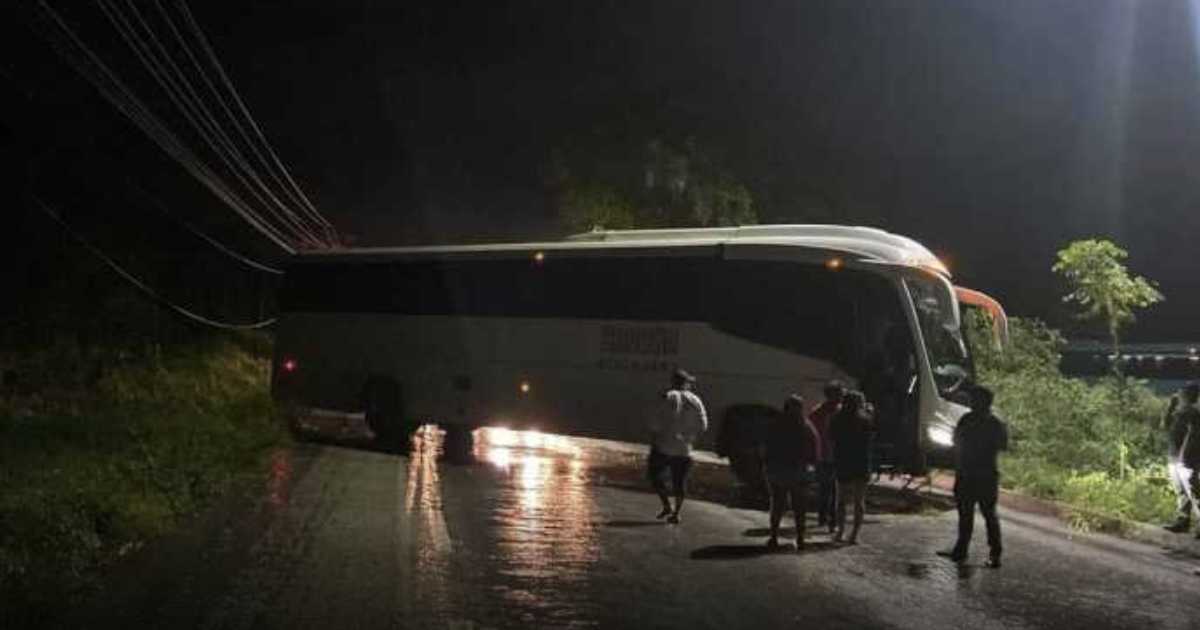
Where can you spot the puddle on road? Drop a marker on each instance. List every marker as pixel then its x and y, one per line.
pixel 541 524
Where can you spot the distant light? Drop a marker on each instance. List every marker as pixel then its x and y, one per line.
pixel 539 258
pixel 833 264
pixel 289 365
pixel 524 387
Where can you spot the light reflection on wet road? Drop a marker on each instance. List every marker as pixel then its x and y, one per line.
pixel 531 536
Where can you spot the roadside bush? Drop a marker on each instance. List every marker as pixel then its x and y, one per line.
pixel 1095 445
pixel 92 469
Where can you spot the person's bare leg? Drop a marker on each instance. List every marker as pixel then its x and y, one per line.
pixel 860 499
pixel 778 505
pixel 800 511
pixel 679 479
pixel 844 494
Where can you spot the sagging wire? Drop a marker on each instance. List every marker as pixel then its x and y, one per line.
pixel 140 285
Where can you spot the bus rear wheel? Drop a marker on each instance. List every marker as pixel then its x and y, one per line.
pixel 742 431
pixel 384 410
pixel 459 443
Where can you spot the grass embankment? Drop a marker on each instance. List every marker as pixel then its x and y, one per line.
pixel 96 459
pixel 1097 447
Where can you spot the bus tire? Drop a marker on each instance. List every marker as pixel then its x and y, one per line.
pixel 743 428
pixel 459 443
pixel 383 406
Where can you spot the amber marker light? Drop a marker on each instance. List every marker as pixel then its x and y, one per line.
pixel 539 258
pixel 834 264
pixel 524 387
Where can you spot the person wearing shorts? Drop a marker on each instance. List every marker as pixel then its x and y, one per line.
pixel 678 419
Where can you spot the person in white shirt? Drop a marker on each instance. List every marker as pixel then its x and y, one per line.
pixel 676 422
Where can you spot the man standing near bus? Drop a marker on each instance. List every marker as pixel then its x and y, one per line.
pixel 978 440
pixel 674 425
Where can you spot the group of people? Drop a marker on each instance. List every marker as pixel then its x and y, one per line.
pixel 832 443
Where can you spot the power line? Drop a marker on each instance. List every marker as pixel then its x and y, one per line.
pixel 162 208
pixel 293 192
pixel 142 286
pixel 114 90
pixel 178 89
pixel 247 140
pixel 199 33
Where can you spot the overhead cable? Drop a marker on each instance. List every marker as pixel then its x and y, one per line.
pixel 199 33
pixel 187 225
pixel 142 286
pixel 174 81
pixel 177 89
pixel 115 91
pixel 292 191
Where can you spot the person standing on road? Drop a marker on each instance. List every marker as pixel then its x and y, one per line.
pixel 851 430
pixel 1186 475
pixel 1175 421
pixel 826 471
pixel 679 419
pixel 978 439
pixel 792 447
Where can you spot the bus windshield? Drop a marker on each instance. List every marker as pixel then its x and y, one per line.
pixel 949 357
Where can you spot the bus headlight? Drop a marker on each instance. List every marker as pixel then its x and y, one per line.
pixel 941 436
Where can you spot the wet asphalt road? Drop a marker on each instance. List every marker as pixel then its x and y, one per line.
pixel 532 536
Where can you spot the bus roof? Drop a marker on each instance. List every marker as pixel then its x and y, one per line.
pixel 863 243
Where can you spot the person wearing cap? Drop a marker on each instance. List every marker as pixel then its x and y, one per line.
pixel 791 449
pixel 677 421
pixel 1179 417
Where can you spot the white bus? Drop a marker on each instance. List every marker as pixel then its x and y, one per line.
pixel 580 336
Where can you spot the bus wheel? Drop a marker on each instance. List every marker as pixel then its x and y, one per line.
pixel 459 443
pixel 384 410
pixel 742 432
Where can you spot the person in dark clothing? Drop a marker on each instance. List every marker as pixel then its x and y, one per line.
pixel 851 429
pixel 826 473
pixel 1175 421
pixel 978 439
pixel 792 447
pixel 1185 469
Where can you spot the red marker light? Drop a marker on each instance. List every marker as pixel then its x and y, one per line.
pixel 289 365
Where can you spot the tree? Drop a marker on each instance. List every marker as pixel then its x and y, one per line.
pixel 614 184
pixel 1102 286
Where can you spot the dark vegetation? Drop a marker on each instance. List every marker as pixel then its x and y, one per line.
pixel 1094 445
pixel 118 418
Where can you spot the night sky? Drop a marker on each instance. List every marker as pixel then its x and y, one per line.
pixel 994 132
